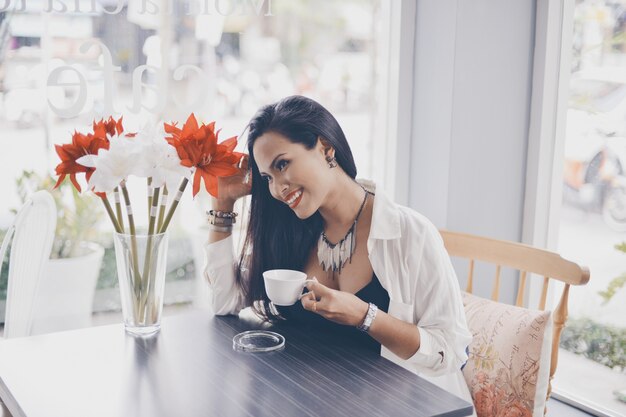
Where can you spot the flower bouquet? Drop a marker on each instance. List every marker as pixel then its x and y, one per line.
pixel 168 157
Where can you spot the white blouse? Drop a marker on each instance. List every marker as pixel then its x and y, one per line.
pixel 410 261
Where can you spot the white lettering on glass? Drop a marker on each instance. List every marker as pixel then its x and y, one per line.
pixel 54 80
pixel 229 11
pixel 107 70
pixel 201 82
pixel 118 8
pixel 139 85
pixel 51 8
pixel 258 7
pixel 144 9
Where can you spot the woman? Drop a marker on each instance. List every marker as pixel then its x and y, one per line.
pixel 379 267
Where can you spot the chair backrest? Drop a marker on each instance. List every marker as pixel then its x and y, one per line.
pixel 33 234
pixel 526 259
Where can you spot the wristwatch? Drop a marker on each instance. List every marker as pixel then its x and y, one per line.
pixel 369 318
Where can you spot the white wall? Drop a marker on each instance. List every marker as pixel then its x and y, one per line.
pixel 471 107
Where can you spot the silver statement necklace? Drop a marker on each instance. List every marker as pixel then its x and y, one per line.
pixel 333 256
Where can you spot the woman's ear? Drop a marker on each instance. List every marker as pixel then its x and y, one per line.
pixel 325 147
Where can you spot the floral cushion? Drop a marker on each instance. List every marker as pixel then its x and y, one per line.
pixel 509 358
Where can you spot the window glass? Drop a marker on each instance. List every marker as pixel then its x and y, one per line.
pixel 64 63
pixel 593 216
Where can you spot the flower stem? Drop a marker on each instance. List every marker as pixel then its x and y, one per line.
pixel 149 302
pixel 109 210
pixel 153 211
pixel 147 271
pixel 149 179
pixel 174 204
pixel 133 239
pixel 162 209
pixel 118 209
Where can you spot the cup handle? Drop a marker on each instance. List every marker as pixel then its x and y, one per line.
pixel 304 285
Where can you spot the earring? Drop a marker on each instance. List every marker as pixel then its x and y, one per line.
pixel 332 161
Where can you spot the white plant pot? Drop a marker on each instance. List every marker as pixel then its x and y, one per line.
pixel 64 299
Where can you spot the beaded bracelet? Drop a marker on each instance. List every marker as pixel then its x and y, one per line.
pixel 222 218
pixel 223 214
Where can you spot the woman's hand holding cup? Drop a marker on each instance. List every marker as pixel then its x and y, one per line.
pixel 338 306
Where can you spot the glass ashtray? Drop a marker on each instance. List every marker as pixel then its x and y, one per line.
pixel 258 341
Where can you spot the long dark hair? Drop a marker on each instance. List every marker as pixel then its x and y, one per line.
pixel 276 237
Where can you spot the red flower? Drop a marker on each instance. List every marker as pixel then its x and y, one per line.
pixel 197 147
pixel 111 127
pixel 81 145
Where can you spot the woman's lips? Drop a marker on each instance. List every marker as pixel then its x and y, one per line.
pixel 295 203
pixel 294 199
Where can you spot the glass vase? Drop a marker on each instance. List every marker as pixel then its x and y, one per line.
pixel 141 266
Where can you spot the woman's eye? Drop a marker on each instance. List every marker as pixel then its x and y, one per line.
pixel 281 165
pixel 267 178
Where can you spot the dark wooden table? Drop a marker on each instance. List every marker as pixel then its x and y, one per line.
pixel 191 369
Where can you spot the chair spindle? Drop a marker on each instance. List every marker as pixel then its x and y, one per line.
pixel 496 285
pixel 520 290
pixel 544 293
pixel 470 277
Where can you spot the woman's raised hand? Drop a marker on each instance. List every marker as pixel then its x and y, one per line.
pixel 233 187
pixel 339 306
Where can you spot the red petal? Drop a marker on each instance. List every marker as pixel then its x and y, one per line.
pixel 186 163
pixel 199 135
pixel 191 125
pixel 230 143
pixel 171 128
pixel 196 183
pixel 220 169
pixel 100 131
pixel 118 126
pixel 76 184
pixel 60 151
pixel 59 181
pixel 210 182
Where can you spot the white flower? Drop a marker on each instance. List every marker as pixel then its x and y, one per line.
pixel 113 165
pixel 159 159
pixel 147 154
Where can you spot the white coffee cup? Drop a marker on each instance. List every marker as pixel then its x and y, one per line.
pixel 284 286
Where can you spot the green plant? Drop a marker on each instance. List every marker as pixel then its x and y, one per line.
pixel 598 342
pixel 77 215
pixel 616 283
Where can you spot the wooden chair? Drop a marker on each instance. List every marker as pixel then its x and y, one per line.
pixel 526 259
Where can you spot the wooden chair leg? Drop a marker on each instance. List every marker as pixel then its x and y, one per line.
pixel 559 319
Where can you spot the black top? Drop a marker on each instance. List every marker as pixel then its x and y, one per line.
pixel 371 293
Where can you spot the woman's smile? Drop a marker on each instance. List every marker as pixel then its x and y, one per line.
pixel 294 198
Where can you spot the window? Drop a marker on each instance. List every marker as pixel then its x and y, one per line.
pixel 64 63
pixel 592 224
